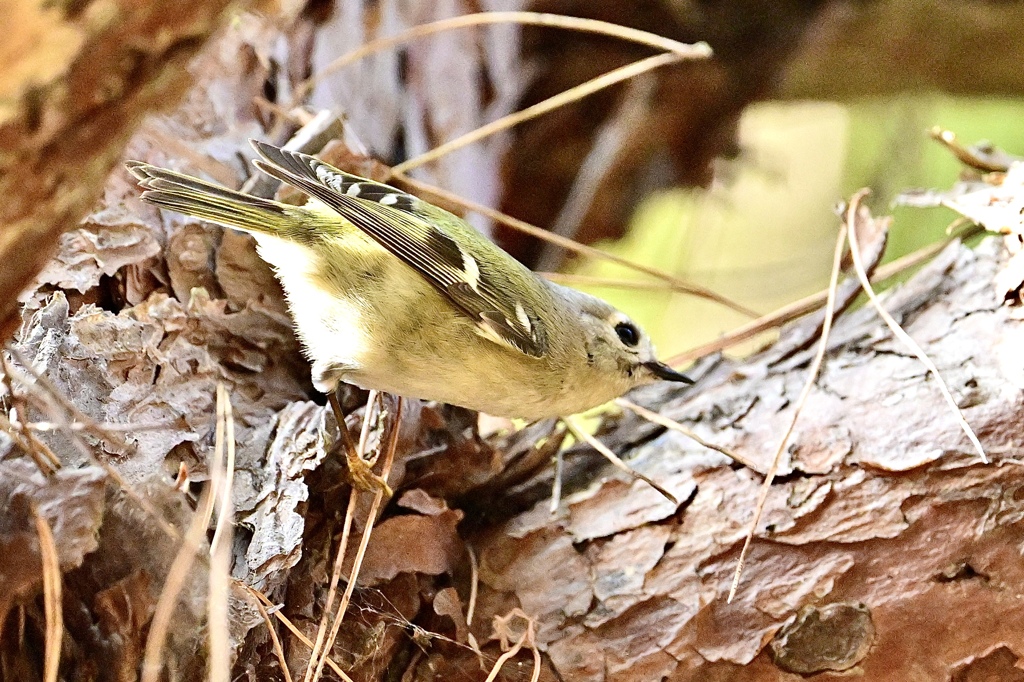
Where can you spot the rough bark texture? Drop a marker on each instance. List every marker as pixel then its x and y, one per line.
pixel 887 548
pixel 78 78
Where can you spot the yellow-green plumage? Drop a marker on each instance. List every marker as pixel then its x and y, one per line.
pixel 391 293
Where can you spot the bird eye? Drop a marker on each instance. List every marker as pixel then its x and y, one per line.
pixel 628 333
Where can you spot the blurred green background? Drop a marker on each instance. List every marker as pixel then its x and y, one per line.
pixel 764 234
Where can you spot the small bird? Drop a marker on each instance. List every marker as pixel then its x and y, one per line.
pixel 389 292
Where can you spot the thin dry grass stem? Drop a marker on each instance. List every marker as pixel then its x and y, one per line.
pixel 581 435
pixel 45 459
pixel 332 592
pixel 678 284
pixel 474 584
pixel 224 479
pixel 217 610
pixel 561 99
pixel 962 222
pixel 812 376
pixel 296 115
pixel 88 423
pixel 662 420
pixel 496 668
pixel 898 331
pixel 811 303
pixel 51 599
pixel 611 282
pixel 474 588
pixel 41 453
pixel 389 459
pixel 51 400
pixel 176 577
pixel 675 51
pixel 696 51
pixel 42 456
pixel 354 452
pixel 275 640
pixel 299 635
pixel 221 475
pixel 611 141
pixel 364 431
pixel 505 657
pixel 528 638
pixel 963 154
pixel 45 427
pixel 556 484
pixel 187 555
pixel 536 663
pixel 191 156
pixel 475 646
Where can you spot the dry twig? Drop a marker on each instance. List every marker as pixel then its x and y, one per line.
pixel 676 283
pixel 812 376
pixel 673 425
pixel 181 566
pixel 221 475
pixel 858 264
pixel 695 51
pixel 581 435
pixel 811 303
pixel 51 599
pixel 389 458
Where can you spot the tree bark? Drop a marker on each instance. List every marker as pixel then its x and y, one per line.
pixel 886 546
pixel 78 78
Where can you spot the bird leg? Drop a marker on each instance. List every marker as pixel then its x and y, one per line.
pixel 360 471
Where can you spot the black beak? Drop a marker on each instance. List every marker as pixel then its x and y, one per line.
pixel 663 371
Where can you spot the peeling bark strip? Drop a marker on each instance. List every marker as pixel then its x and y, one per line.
pixel 72 97
pixel 883 529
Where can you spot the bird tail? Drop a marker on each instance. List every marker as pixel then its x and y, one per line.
pixel 192 196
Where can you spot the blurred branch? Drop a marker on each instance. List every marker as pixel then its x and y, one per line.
pixel 611 140
pixel 70 103
pixel 897 46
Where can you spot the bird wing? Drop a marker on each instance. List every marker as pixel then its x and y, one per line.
pixel 414 232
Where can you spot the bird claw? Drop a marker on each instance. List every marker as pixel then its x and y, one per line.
pixel 362 477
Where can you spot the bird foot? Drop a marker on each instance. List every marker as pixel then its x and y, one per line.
pixel 362 477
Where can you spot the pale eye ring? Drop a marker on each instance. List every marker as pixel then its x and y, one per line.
pixel 628 334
